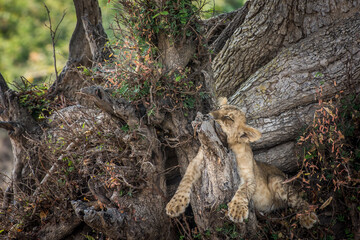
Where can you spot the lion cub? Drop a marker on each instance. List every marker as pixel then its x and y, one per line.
pixel 260 182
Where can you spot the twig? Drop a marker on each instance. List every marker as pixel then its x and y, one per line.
pixel 186 232
pixel 44 180
pixel 53 37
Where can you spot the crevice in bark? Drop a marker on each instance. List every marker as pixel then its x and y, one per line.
pixel 236 21
pixel 172 171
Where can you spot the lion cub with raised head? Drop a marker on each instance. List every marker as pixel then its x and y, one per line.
pixel 260 182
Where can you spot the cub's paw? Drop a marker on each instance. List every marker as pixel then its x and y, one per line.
pixel 307 220
pixel 238 210
pixel 177 205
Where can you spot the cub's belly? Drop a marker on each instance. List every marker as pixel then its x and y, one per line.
pixel 262 198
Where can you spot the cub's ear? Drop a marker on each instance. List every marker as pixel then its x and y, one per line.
pixel 222 101
pixel 250 134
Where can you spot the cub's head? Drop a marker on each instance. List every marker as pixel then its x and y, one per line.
pixel 233 122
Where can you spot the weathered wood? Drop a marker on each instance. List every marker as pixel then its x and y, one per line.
pixel 268 28
pixel 22 129
pixel 119 108
pixel 110 221
pixel 143 214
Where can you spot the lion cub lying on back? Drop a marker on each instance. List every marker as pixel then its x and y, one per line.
pixel 260 182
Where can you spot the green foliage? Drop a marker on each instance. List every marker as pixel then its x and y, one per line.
pixel 215 7
pixel 34 98
pixel 132 92
pixel 228 230
pixel 145 20
pixel 136 74
pixel 125 128
pixel 222 206
pixel 88 237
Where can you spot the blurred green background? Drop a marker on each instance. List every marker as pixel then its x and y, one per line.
pixel 25 43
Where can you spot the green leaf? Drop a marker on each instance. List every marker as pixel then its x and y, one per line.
pixel 163 13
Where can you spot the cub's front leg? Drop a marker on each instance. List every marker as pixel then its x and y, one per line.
pixel 239 205
pixel 181 199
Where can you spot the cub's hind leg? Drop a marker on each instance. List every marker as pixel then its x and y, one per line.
pixel 285 193
pixel 181 199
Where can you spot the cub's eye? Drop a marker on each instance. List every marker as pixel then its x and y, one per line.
pixel 228 118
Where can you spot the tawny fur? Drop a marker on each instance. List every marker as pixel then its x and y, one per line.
pixel 260 182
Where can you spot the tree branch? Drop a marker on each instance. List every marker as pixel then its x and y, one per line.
pixel 110 221
pixel 3 86
pixel 14 128
pixel 118 108
pixel 230 28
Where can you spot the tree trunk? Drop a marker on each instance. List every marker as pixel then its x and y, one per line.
pixel 88 45
pixel 269 27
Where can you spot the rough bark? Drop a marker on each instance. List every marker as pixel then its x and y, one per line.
pixel 225 24
pixel 274 62
pixel 22 129
pixel 267 29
